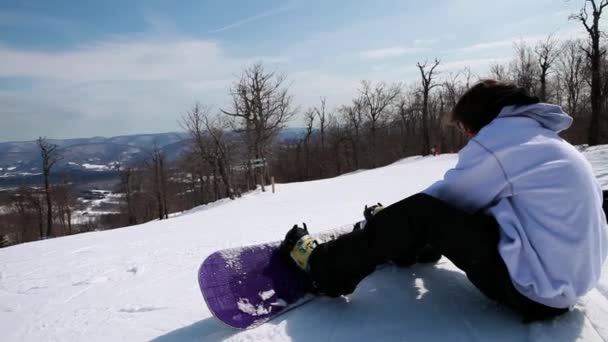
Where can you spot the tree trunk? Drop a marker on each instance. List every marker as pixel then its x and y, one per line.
pixel 49 206
pixel 225 179
pixel 596 94
pixel 163 183
pixel 216 185
pixel 543 85
pixel 69 217
pixel 373 143
pixel 40 222
pixel 595 55
pixel 159 200
pixel 426 138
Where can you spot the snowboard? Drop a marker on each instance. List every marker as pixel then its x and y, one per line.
pixel 247 286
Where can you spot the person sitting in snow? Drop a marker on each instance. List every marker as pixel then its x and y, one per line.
pixel 520 213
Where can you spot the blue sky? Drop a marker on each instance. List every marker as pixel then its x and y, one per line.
pixel 85 68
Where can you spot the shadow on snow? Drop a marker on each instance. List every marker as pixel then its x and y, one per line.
pixel 417 303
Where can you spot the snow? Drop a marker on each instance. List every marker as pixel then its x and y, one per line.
pixel 92 206
pixel 29 173
pixel 96 167
pixel 266 294
pixel 254 310
pixel 140 283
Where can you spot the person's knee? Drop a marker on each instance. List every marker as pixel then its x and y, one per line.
pixel 412 208
pixel 424 201
pixel 397 228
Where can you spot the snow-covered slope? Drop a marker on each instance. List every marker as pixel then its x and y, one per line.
pixel 139 283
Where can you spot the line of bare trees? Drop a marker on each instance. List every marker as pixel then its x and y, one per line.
pixel 37 213
pixel 229 152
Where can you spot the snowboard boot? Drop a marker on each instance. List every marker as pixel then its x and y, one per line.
pixel 333 268
pixel 299 245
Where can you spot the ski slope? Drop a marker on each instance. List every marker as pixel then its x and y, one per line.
pixel 140 283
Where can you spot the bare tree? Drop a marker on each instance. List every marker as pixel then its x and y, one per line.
pixel 404 115
pixel 499 72
pixel 452 90
pixel 192 123
pixel 571 73
pixel 50 156
pixel 220 151
pixel 127 175
pixel 65 202
pixel 323 122
pixel 29 206
pixel 377 101
pixel 426 73
pixel 523 67
pixel 594 54
pixel 160 189
pixel 546 53
pixel 353 115
pixel 338 145
pixel 468 75
pixel 309 122
pixel 261 108
pixel 209 140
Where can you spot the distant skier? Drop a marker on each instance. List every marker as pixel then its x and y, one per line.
pixel 521 213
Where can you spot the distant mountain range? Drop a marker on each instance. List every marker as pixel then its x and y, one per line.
pixel 98 153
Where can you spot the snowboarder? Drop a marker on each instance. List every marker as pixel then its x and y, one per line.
pixel 521 213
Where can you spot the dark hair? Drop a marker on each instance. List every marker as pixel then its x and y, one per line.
pixel 483 102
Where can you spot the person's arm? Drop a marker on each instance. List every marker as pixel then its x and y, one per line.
pixel 474 182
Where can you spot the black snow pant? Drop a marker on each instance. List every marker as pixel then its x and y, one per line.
pixel 422 221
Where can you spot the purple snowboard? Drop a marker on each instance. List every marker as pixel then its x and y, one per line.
pixel 246 286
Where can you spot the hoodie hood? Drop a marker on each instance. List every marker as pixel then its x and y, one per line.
pixel 549 116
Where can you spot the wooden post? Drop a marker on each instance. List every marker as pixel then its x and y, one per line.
pixel 262 182
pixel 272 181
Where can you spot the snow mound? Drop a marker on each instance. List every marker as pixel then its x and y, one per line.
pixel 139 283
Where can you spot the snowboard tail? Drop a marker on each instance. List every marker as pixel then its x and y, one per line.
pixel 247 286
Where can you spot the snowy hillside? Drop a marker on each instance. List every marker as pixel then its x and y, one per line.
pixel 139 283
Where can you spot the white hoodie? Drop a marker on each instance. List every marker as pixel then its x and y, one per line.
pixel 543 194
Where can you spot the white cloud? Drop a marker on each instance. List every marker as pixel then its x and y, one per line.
pixel 138 84
pixel 120 86
pixel 309 86
pixel 252 19
pixel 390 52
pixel 477 65
pixel 119 60
pixel 529 39
pixel 428 41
